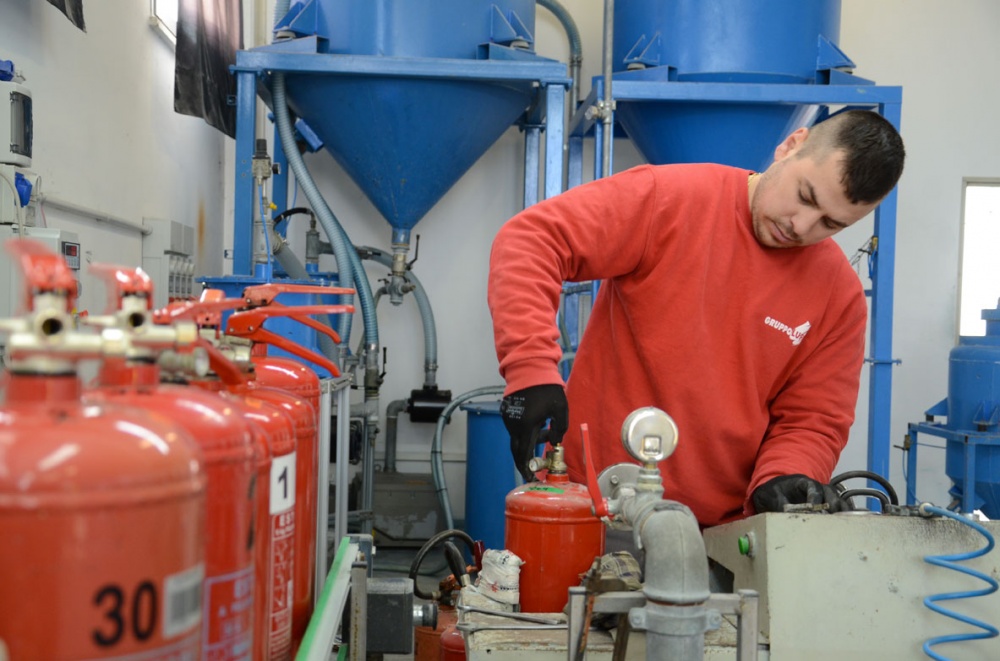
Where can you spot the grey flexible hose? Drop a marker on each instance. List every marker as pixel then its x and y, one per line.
pixel 575 47
pixel 351 272
pixel 437 465
pixel 426 313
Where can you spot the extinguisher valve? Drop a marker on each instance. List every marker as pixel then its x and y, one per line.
pixel 554 461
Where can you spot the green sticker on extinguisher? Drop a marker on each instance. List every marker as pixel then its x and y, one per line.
pixel 549 489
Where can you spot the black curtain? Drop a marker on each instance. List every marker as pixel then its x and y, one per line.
pixel 73 10
pixel 209 32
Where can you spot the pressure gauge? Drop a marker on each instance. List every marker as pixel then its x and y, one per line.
pixel 649 435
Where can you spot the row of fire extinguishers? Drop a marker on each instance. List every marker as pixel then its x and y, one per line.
pixel 168 509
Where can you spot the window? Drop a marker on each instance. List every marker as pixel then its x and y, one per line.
pixel 163 18
pixel 979 270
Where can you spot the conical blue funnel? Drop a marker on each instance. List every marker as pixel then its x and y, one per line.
pixel 738 134
pixel 406 141
pixel 672 42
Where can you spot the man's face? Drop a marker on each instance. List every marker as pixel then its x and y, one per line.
pixel 799 200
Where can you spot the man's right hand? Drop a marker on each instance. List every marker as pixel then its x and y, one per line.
pixel 524 414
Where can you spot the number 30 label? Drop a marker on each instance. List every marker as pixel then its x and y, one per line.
pixel 282 483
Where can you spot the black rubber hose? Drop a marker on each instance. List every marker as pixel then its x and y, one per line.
pixel 873 493
pixel 455 561
pixel 425 549
pixel 875 477
pixel 288 213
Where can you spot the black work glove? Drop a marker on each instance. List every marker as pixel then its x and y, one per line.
pixel 524 414
pixel 773 495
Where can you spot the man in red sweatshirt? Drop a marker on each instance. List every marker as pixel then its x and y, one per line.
pixel 723 302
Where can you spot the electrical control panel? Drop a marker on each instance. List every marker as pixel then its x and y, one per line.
pixel 168 258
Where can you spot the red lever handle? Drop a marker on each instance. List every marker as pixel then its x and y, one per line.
pixel 42 271
pixel 250 324
pixel 258 295
pixel 226 370
pixel 124 281
pixel 600 503
pixel 194 310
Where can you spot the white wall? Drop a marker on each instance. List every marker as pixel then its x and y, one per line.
pixel 941 54
pixel 105 133
pixel 106 137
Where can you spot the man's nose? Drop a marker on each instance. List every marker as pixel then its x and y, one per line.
pixel 803 222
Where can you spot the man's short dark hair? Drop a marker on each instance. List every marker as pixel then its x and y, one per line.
pixel 873 152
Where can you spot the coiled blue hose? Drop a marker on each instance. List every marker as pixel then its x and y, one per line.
pixel 949 562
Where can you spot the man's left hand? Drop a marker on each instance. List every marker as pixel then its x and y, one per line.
pixel 773 495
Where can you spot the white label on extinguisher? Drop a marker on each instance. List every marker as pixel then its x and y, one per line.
pixel 182 596
pixel 282 483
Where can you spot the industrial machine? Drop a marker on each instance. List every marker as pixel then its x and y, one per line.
pixel 972 426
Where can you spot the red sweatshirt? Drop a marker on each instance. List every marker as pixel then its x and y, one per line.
pixel 755 352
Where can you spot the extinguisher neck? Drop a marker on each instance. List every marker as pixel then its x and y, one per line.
pixel 42 388
pixel 138 374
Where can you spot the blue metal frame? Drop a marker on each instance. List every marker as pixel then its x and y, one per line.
pixel 300 56
pixel 843 90
pixel 971 440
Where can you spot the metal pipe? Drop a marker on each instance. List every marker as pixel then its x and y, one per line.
pixel 392 412
pixel 426 313
pixel 675 582
pixel 575 48
pixel 93 214
pixel 437 465
pixel 607 107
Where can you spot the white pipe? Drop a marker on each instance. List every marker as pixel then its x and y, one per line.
pixel 92 214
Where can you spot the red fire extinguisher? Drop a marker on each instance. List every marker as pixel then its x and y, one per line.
pixel 293 377
pixel 275 520
pixel 225 438
pixel 551 526
pixel 102 507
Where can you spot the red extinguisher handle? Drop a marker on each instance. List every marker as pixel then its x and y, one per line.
pixel 249 324
pixel 600 502
pixel 195 311
pixel 259 295
pixel 124 281
pixel 42 271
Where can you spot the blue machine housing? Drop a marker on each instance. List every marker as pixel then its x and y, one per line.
pixel 972 428
pixel 413 92
pixel 443 28
pixel 728 41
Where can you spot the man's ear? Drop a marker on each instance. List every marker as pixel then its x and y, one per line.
pixel 791 144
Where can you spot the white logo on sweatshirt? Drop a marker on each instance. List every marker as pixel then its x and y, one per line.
pixel 794 334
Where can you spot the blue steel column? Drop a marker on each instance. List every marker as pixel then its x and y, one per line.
pixel 246 111
pixel 600 137
pixel 555 107
pixel 280 181
pixel 880 380
pixel 532 143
